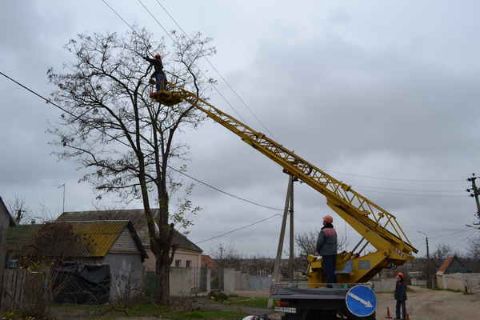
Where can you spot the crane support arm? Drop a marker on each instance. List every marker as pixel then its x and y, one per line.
pixel 375 224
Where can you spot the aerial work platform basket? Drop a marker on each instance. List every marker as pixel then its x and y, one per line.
pixel 167 97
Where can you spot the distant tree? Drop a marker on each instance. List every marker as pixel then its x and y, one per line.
pixel 474 249
pixel 18 209
pixel 441 253
pixel 124 140
pixel 227 256
pixel 307 242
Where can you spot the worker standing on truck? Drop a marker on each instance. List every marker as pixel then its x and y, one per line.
pixel 401 297
pixel 327 248
pixel 158 73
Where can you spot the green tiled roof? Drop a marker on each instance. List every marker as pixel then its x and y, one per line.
pixel 136 217
pixel 97 237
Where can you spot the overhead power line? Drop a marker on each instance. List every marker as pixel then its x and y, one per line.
pixel 118 15
pixel 172 168
pixel 239 228
pixel 48 101
pixel 225 192
pixel 235 92
pixel 173 39
pixel 394 179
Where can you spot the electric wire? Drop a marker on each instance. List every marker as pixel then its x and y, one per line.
pixel 225 192
pixel 205 183
pixel 173 39
pixel 118 15
pixel 417 194
pixel 48 101
pixel 394 179
pixel 243 101
pixel 172 168
pixel 217 71
pixel 239 228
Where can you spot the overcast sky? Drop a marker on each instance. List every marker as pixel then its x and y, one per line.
pixel 383 95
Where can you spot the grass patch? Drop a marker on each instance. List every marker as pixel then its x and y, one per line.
pixel 212 315
pixel 253 302
pixel 109 312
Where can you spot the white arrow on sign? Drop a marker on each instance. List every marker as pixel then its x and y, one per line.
pixel 366 303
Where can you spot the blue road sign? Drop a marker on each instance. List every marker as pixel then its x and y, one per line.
pixel 361 301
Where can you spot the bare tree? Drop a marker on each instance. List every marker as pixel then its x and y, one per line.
pixel 123 139
pixel 18 209
pixel 441 253
pixel 227 256
pixel 474 249
pixel 307 242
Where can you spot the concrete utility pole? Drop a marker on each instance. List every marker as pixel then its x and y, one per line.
pixel 429 265
pixel 288 209
pixel 63 197
pixel 291 257
pixel 474 193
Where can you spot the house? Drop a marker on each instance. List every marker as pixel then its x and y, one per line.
pixel 6 221
pixel 187 254
pixel 453 264
pixel 454 274
pixel 208 262
pixel 109 243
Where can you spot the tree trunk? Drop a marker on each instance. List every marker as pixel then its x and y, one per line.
pixel 163 277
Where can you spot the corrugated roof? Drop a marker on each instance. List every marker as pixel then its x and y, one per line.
pixel 136 216
pixel 97 237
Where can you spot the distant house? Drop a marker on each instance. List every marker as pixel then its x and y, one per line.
pixel 453 264
pixel 187 254
pixel 112 243
pixel 6 221
pixel 208 262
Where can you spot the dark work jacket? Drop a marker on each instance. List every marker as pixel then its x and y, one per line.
pixel 327 241
pixel 156 63
pixel 401 291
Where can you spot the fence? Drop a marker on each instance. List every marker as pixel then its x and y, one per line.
pixel 465 282
pixel 239 281
pixel 183 282
pixel 22 289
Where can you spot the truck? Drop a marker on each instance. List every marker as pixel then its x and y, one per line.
pixel 383 242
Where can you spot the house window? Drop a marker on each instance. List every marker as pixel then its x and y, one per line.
pixel 178 263
pixel 188 264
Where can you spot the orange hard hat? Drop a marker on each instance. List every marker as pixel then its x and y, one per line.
pixel 401 275
pixel 328 219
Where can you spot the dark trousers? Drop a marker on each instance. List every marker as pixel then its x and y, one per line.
pixel 329 263
pixel 401 304
pixel 160 80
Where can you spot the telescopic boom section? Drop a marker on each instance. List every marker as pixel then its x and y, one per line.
pixel 376 225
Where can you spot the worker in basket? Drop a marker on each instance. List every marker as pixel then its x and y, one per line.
pixel 327 248
pixel 158 74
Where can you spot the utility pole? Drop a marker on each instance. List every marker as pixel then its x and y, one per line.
pixel 291 258
pixel 428 268
pixel 288 208
pixel 474 193
pixel 63 200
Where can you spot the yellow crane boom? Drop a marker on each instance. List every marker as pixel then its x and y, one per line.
pixel 377 226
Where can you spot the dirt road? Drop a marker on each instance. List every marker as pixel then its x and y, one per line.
pixel 426 304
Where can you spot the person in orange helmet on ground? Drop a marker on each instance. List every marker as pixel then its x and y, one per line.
pixel 158 73
pixel 327 248
pixel 400 297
